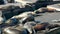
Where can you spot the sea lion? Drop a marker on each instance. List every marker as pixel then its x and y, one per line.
pixel 24 17
pixel 10 30
pixel 12 22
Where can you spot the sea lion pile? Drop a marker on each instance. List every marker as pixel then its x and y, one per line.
pixel 22 22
